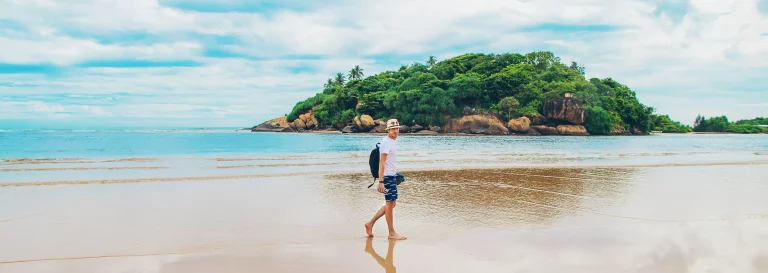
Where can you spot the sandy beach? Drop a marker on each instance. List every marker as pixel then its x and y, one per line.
pixel 75 215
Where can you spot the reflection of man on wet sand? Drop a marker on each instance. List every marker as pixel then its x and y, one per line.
pixel 388 264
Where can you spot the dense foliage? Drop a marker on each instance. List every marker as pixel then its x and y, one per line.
pixel 665 124
pixel 721 124
pixel 507 85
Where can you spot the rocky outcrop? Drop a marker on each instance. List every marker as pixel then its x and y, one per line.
pixel 565 110
pixel 572 130
pixel 539 120
pixel 365 122
pixel 306 121
pixel 349 129
pixel 476 124
pixel 379 129
pixel 519 125
pixel 280 124
pixel 532 132
pixel 546 130
pixel 435 129
pixel 620 131
pixel 427 132
pixel 416 128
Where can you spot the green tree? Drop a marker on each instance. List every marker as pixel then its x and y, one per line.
pixel 356 73
pixel 432 61
pixel 509 104
pixel 339 79
pixel 598 121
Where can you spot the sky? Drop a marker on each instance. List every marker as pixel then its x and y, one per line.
pixel 237 63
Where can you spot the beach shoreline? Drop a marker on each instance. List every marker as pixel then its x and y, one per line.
pixel 464 218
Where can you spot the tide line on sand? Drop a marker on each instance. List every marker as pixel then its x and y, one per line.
pixel 336 172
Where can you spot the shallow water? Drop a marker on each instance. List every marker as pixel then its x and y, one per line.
pixel 669 203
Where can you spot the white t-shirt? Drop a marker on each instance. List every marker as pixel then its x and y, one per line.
pixel 389 146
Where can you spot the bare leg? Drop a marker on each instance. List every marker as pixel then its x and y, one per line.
pixel 369 225
pixel 390 221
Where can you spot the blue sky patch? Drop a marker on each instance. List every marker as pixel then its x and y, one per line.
pixel 762 6
pixel 255 6
pixel 553 27
pixel 128 63
pixel 675 10
pixel 6 68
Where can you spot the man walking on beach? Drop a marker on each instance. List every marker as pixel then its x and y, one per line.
pixel 387 181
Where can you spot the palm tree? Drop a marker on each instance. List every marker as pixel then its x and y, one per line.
pixel 339 79
pixel 432 61
pixel 356 73
pixel 328 84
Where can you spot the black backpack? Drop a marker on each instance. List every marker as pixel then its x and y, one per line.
pixel 373 161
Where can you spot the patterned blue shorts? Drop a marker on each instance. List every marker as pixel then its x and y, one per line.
pixel 390 188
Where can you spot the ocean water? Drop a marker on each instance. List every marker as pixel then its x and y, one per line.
pixel 36 144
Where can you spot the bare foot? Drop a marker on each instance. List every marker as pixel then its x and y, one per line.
pixel 369 229
pixel 396 237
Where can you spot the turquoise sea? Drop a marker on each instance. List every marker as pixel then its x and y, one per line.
pixel 90 156
pixel 115 143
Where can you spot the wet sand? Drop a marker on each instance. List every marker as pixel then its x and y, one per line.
pixel 208 215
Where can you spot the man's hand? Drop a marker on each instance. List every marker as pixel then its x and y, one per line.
pixel 381 187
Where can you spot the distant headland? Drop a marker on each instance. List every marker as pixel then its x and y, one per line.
pixel 488 94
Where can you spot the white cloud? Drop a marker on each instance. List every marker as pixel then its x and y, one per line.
pixel 715 51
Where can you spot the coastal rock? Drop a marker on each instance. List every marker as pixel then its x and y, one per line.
pixel 416 128
pixel 572 130
pixel 476 124
pixel 380 122
pixel 565 109
pixel 366 122
pixel 539 120
pixel 349 129
pixel 280 124
pixel 519 125
pixel 546 130
pixel 532 132
pixel 620 131
pixel 306 121
pixel 435 129
pixel 470 111
pixel 427 132
pixel 299 125
pixel 379 129
pixel 403 128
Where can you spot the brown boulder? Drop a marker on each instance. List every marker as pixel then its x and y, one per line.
pixel 546 130
pixel 379 129
pixel 567 109
pixel 366 122
pixel 476 124
pixel 299 124
pixel 519 125
pixel 572 130
pixel 532 132
pixel 538 120
pixel 427 132
pixel 306 121
pixel 280 124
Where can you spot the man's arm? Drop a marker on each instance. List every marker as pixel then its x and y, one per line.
pixel 381 167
